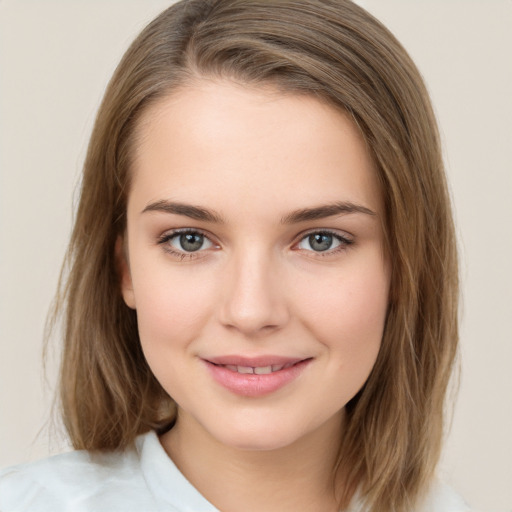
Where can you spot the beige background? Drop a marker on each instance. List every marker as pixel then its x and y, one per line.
pixel 55 59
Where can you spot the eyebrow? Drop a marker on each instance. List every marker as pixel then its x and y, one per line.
pixel 324 211
pixel 295 217
pixel 187 210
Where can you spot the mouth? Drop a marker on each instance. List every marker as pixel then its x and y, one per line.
pixel 254 377
pixel 257 370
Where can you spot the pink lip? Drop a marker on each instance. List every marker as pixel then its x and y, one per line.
pixel 253 361
pixel 250 384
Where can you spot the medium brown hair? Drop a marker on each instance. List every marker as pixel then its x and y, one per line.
pixel 336 51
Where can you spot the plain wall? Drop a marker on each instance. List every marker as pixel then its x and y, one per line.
pixel 55 60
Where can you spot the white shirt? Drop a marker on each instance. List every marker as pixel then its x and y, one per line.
pixel 143 479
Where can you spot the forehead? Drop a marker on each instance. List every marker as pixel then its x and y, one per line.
pixel 220 139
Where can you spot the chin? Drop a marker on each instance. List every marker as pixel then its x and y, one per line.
pixel 258 436
pixel 257 442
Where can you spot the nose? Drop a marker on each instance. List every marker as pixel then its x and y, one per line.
pixel 254 299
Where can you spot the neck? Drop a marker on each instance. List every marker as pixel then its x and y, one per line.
pixel 299 476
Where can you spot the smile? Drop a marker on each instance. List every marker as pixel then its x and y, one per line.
pixel 255 377
pixel 258 370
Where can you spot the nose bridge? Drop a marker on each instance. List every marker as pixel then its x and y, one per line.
pixel 254 299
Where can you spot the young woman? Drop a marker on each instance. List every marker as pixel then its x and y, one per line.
pixel 260 296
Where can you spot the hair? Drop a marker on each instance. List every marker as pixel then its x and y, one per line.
pixel 337 52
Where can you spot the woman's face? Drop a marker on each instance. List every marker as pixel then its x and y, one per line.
pixel 255 260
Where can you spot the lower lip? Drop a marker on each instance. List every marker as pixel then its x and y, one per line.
pixel 253 385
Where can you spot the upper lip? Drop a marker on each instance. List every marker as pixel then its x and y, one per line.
pixel 258 361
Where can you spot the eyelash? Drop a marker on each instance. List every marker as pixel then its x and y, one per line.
pixel 344 243
pixel 182 255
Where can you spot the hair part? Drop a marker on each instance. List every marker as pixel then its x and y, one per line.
pixel 337 52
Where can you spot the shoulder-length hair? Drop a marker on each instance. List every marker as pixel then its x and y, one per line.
pixel 337 52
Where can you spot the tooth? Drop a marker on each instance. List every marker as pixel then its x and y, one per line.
pixel 277 367
pixel 263 370
pixel 245 369
pixel 231 367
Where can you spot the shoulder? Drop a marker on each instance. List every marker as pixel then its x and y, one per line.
pixel 442 498
pixel 439 498
pixel 76 480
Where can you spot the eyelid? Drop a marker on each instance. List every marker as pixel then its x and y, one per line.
pixel 168 235
pixel 343 237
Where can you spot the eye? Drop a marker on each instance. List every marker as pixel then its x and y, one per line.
pixel 323 241
pixel 185 242
pixel 190 242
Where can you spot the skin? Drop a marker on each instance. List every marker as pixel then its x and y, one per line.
pixel 257 285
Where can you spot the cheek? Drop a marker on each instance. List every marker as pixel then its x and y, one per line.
pixel 171 308
pixel 348 312
pixel 171 314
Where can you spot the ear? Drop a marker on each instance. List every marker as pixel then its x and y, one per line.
pixel 123 268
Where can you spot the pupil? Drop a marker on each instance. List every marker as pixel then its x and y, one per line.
pixel 320 241
pixel 191 242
